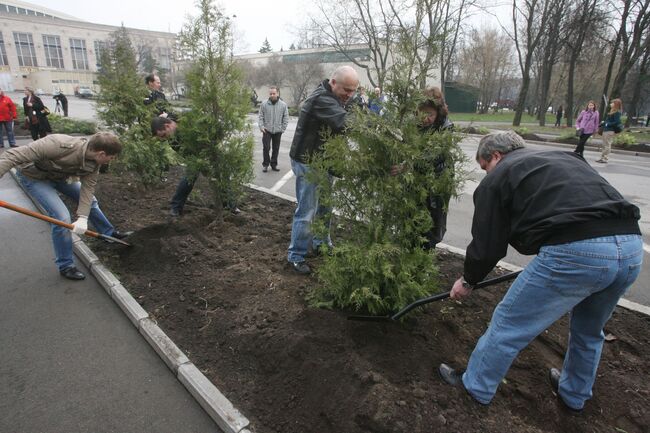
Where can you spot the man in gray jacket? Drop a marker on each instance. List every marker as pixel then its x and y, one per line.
pixel 68 165
pixel 273 121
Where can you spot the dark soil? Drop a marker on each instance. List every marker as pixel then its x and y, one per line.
pixel 219 286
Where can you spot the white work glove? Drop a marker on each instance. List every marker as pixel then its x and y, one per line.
pixel 80 226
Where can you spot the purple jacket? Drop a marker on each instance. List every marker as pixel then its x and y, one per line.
pixel 588 121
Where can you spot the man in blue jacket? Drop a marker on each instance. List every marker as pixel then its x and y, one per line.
pixel 324 109
pixel 589 252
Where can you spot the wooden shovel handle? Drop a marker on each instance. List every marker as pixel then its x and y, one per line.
pixel 33 214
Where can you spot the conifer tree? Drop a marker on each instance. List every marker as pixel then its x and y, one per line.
pixel 215 136
pixel 266 46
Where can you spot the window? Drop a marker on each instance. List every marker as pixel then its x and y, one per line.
pixel 53 52
pixel 100 46
pixel 78 53
pixel 3 52
pixel 164 59
pixel 25 49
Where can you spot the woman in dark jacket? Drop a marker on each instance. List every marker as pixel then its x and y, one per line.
pixel 36 115
pixel 612 125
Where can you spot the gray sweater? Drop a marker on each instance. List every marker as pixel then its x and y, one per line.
pixel 273 117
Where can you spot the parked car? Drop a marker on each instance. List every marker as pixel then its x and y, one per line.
pixel 84 92
pixel 39 92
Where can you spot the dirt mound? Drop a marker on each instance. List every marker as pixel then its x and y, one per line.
pixel 220 286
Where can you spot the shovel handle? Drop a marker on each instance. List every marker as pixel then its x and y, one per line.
pixel 33 214
pixel 441 296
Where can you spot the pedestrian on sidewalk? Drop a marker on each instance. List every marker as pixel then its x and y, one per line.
pixel 586 125
pixel 50 166
pixel 324 109
pixel 7 117
pixel 36 115
pixel 273 120
pixel 611 126
pixel 558 117
pixel 588 248
pixel 63 101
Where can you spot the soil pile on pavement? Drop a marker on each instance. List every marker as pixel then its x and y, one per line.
pixel 218 284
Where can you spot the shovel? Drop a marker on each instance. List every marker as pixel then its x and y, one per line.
pixel 433 298
pixel 60 223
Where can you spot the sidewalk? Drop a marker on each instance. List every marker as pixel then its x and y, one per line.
pixel 70 360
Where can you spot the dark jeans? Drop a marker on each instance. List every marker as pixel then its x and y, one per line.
pixel 267 138
pixel 437 206
pixel 183 191
pixel 580 149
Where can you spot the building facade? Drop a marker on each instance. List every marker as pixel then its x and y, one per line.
pixel 44 49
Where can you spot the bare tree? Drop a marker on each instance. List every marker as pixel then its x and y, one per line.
pixel 583 16
pixel 303 77
pixel 529 24
pixel 640 86
pixel 635 38
pixel 485 63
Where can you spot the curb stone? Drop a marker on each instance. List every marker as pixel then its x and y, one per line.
pixel 211 399
pixel 217 406
pixel 162 344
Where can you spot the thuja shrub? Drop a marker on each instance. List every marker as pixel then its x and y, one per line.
pixel 624 139
pixel 68 125
pixel 120 106
pixel 381 266
pixel 214 134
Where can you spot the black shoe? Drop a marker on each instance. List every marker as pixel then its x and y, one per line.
pixel 121 235
pixel 450 375
pixel 174 213
pixel 72 273
pixel 13 145
pixel 301 267
pixel 235 210
pixel 275 169
pixel 554 377
pixel 265 169
pixel 455 378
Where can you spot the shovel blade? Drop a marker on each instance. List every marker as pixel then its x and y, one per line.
pixel 111 239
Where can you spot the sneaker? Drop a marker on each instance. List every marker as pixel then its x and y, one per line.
pixel 301 267
pixel 602 161
pixel 72 273
pixel 265 169
pixel 554 377
pixel 455 378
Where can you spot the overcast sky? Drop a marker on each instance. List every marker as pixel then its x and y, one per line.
pixel 256 19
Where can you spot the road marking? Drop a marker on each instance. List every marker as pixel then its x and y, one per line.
pixel 279 184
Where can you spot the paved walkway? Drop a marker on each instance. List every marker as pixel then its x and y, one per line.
pixel 70 361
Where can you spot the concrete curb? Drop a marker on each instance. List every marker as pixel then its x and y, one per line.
pixel 218 407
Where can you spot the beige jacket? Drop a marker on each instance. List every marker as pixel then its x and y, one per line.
pixel 56 157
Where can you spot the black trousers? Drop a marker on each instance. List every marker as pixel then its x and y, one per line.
pixel 580 148
pixel 437 206
pixel 271 140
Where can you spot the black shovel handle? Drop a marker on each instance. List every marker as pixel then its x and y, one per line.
pixel 433 298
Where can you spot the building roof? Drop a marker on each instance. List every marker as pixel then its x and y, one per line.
pixel 24 8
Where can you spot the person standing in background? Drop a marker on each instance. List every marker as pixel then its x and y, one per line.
pixel 273 120
pixel 36 115
pixel 61 99
pixel 587 124
pixel 558 117
pixel 612 125
pixel 7 117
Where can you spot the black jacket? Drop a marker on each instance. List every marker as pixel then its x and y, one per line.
pixel 321 110
pixel 536 198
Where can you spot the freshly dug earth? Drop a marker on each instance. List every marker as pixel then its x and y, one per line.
pixel 219 285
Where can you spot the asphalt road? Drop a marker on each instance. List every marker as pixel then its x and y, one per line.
pixel 628 173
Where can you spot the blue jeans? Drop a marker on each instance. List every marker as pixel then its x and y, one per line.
pixel 307 209
pixel 586 278
pixel 45 192
pixel 9 127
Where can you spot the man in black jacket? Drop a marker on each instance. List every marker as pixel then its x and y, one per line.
pixel 589 252
pixel 323 109
pixel 157 97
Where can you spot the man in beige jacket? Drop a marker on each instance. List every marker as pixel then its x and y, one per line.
pixel 67 165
